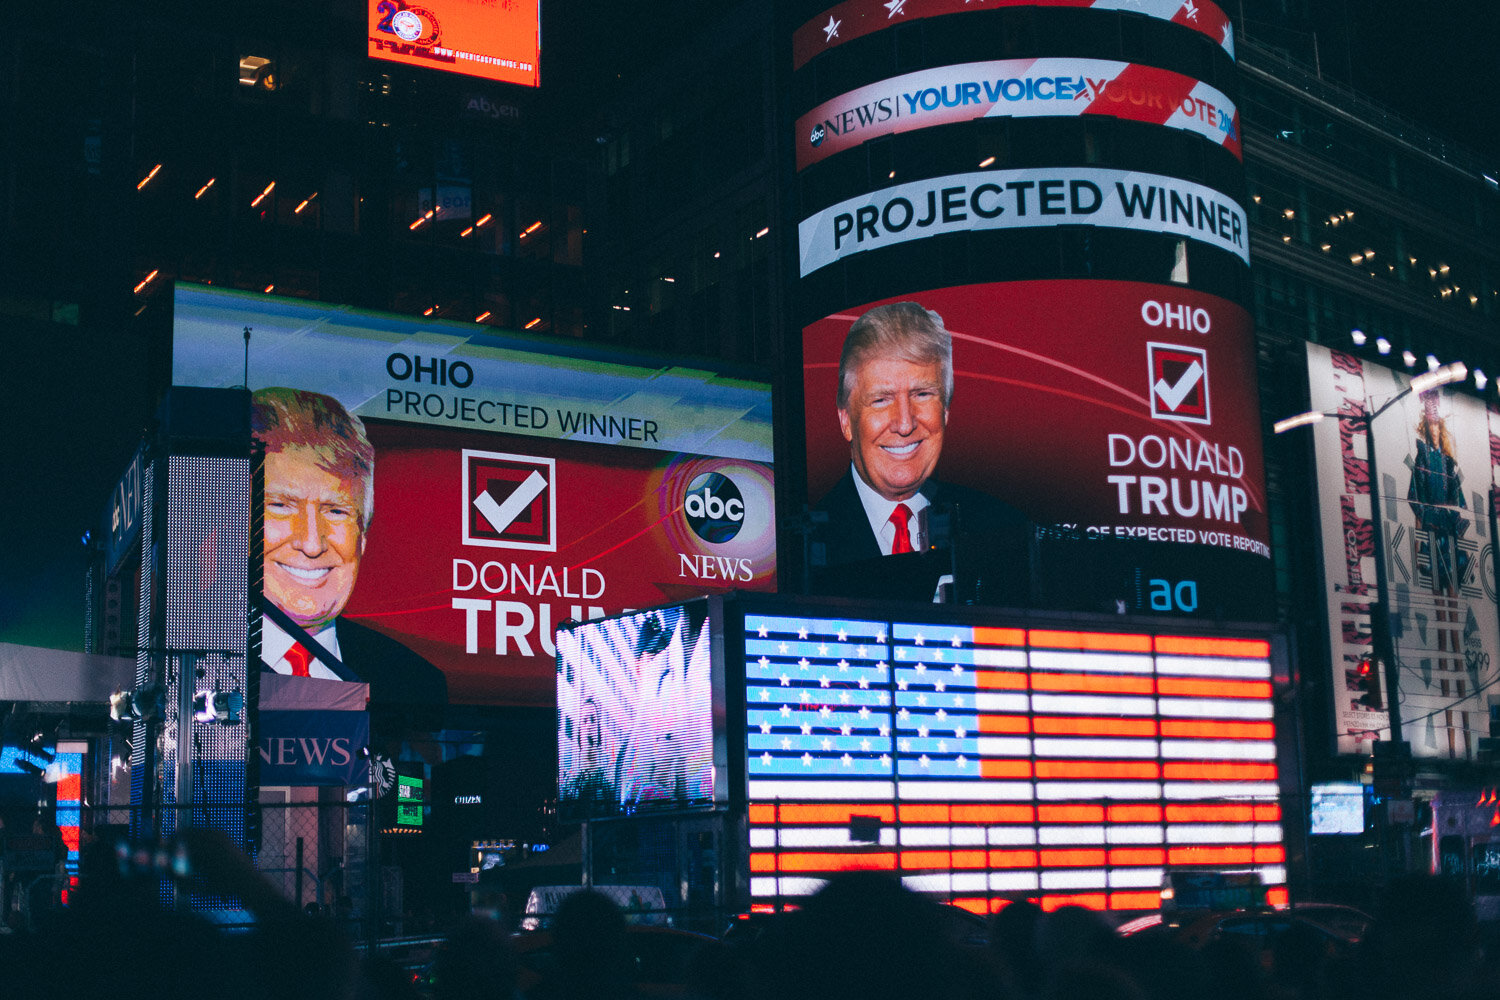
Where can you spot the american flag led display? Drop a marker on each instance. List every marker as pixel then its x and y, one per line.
pixel 986 764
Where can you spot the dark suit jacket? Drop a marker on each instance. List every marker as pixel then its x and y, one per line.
pixel 990 557
pixel 396 675
pixel 406 692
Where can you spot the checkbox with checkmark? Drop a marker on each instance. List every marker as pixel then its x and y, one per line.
pixel 1178 378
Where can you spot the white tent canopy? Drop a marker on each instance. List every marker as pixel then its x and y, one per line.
pixel 35 673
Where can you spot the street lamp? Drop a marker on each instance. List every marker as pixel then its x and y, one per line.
pixel 1380 622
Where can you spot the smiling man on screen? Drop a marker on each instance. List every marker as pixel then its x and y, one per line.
pixel 319 499
pixel 895 387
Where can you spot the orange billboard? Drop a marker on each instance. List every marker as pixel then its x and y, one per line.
pixel 493 39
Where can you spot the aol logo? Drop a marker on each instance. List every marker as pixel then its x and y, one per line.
pixel 714 508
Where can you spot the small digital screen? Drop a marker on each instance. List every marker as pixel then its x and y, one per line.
pixel 408 800
pixel 635 713
pixel 487 854
pixel 1216 891
pixel 1487 869
pixel 493 41
pixel 1338 808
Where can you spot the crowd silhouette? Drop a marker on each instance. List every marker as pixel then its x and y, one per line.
pixel 863 936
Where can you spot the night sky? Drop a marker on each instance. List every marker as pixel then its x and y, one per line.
pixel 74 408
pixel 1438 63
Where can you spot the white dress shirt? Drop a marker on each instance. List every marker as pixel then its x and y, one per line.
pixel 878 509
pixel 274 643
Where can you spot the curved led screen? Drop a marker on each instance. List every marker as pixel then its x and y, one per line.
pixel 1029 375
pixel 1121 411
pixel 1023 199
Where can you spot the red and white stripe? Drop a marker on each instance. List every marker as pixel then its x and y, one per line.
pixel 1106 759
pixel 857 18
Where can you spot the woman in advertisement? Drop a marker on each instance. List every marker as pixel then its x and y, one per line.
pixel 672 743
pixel 592 784
pixel 1436 496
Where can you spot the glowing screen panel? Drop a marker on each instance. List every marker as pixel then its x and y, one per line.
pixel 852 19
pixel 482 38
pixel 207 577
pixel 1338 807
pixel 635 713
pixel 987 764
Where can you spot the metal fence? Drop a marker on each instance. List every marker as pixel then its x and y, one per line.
pixel 304 847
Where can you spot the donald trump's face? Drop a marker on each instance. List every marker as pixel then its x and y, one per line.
pixel 894 424
pixel 314 536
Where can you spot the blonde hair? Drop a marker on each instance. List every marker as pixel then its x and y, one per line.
pixel 282 418
pixel 903 330
pixel 1445 439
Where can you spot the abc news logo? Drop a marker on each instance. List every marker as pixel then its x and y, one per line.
pixel 714 507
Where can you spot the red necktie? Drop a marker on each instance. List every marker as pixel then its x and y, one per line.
pixel 299 658
pixel 899 518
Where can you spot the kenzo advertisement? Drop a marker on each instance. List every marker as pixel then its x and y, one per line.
pixel 439 500
pixel 1092 445
pixel 1437 460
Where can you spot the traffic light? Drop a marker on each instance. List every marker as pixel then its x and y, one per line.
pixel 1369 682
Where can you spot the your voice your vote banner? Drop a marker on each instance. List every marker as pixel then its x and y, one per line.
pixel 1016 88
pixel 518 482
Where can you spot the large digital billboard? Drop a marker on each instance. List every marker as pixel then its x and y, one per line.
pixel 984 764
pixel 1438 454
pixel 1122 411
pixel 635 711
pixel 1029 372
pixel 442 498
pixel 493 39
